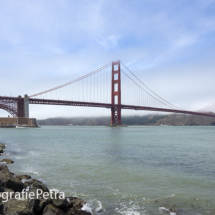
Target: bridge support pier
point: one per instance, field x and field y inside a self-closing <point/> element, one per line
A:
<point x="26" y="105"/>
<point x="20" y="107"/>
<point x="116" y="95"/>
<point x="23" y="106"/>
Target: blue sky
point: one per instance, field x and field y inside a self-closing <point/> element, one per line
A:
<point x="168" y="44"/>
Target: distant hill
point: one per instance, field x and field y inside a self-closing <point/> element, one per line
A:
<point x="155" y="120"/>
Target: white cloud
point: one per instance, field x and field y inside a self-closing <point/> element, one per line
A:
<point x="46" y="43"/>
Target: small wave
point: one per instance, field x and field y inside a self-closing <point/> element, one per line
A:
<point x="127" y="211"/>
<point x="100" y="209"/>
<point x="167" y="211"/>
<point x="129" y="208"/>
<point x="37" y="173"/>
<point x="93" y="206"/>
<point x="87" y="207"/>
<point x="33" y="153"/>
<point x="31" y="171"/>
<point x="19" y="158"/>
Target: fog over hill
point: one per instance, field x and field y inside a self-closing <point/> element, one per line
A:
<point x="155" y="120"/>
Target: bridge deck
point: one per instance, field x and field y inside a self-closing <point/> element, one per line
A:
<point x="107" y="105"/>
<point x="102" y="105"/>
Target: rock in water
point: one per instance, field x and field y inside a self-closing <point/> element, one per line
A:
<point x="51" y="208"/>
<point x="7" y="180"/>
<point x="75" y="203"/>
<point x="60" y="203"/>
<point x="1" y="150"/>
<point x="4" y="169"/>
<point x="2" y="145"/>
<point x="35" y="185"/>
<point x="7" y="161"/>
<point x="21" y="177"/>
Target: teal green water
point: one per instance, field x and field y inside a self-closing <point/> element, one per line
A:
<point x="128" y="170"/>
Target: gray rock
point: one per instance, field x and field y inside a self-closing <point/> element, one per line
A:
<point x="41" y="204"/>
<point x="7" y="180"/>
<point x="7" y="161"/>
<point x="21" y="177"/>
<point x="53" y="209"/>
<point x="13" y="213"/>
<point x="49" y="213"/>
<point x="1" y="150"/>
<point x="23" y="207"/>
<point x="5" y="194"/>
<point x="35" y="184"/>
<point x="2" y="145"/>
<point x="4" y="169"/>
<point x="75" y="203"/>
<point x="60" y="203"/>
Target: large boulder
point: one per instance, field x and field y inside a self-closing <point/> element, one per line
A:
<point x="60" y="203"/>
<point x="41" y="204"/>
<point x="36" y="187"/>
<point x="7" y="180"/>
<point x="51" y="208"/>
<point x="23" y="207"/>
<point x="75" y="203"/>
<point x="34" y="184"/>
<point x="4" y="169"/>
<point x="7" y="161"/>
<point x="6" y="194"/>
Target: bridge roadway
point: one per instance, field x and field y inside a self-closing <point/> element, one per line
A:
<point x="8" y="100"/>
<point x="106" y="105"/>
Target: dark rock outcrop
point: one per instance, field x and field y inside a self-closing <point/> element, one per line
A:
<point x="41" y="204"/>
<point x="75" y="203"/>
<point x="7" y="180"/>
<point x="1" y="150"/>
<point x="51" y="208"/>
<point x="23" y="207"/>
<point x="4" y="169"/>
<point x="7" y="161"/>
<point x="60" y="203"/>
<point x="2" y="145"/>
<point x="21" y="177"/>
<point x="35" y="185"/>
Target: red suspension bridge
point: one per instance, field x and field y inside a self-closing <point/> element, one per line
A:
<point x="112" y="86"/>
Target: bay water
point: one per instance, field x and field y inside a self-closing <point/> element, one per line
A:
<point x="140" y="170"/>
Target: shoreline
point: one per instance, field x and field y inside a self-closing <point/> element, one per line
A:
<point x="21" y="194"/>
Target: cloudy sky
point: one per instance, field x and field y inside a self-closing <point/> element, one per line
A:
<point x="168" y="44"/>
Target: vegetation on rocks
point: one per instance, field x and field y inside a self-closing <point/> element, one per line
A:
<point x="155" y="120"/>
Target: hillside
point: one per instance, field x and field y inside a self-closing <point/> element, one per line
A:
<point x="155" y="120"/>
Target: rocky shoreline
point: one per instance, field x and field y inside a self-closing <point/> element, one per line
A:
<point x="22" y="195"/>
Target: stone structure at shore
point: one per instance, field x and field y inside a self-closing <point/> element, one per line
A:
<point x="31" y="122"/>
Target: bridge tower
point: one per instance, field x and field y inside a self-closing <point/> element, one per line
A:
<point x="26" y="105"/>
<point x="116" y="95"/>
<point x="23" y="106"/>
<point x="20" y="107"/>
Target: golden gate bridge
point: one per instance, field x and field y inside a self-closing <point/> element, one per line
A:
<point x="112" y="86"/>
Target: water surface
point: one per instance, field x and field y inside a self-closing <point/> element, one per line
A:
<point x="128" y="170"/>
